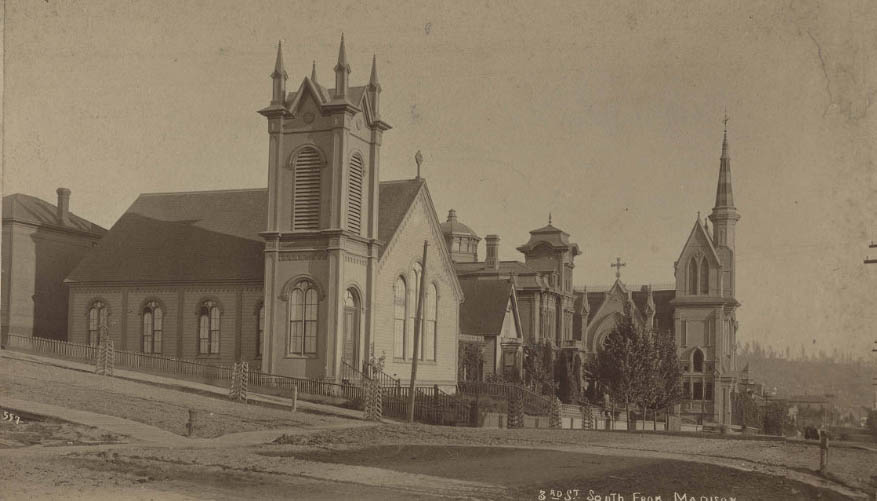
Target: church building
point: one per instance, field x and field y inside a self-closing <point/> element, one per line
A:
<point x="306" y="278"/>
<point x="699" y="312"/>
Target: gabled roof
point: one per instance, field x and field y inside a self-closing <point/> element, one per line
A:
<point x="395" y="199"/>
<point x="483" y="311"/>
<point x="698" y="231"/>
<point x="189" y="237"/>
<point x="662" y="298"/>
<point x="205" y="236"/>
<point x="23" y="208"/>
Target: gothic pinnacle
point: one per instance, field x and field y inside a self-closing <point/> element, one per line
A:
<point x="279" y="71"/>
<point x="373" y="80"/>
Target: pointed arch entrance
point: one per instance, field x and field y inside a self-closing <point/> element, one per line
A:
<point x="352" y="315"/>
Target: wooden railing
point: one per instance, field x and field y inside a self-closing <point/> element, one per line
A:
<point x="431" y="405"/>
<point x="534" y="404"/>
<point x="383" y="378"/>
<point x="351" y="375"/>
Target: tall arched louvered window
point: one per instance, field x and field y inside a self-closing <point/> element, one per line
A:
<point x="704" y="277"/>
<point x="692" y="277"/>
<point x="306" y="191"/>
<point x="354" y="194"/>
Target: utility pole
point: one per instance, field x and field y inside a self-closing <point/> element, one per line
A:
<point x="418" y="320"/>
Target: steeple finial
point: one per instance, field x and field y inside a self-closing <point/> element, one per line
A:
<point x="279" y="71"/>
<point x="373" y="79"/>
<point x="342" y="71"/>
<point x="278" y="90"/>
<point x="724" y="193"/>
<point x="418" y="157"/>
<point x="342" y="57"/>
<point x="314" y="71"/>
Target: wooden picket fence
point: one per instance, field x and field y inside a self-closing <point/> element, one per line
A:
<point x="432" y="405"/>
<point x="534" y="404"/>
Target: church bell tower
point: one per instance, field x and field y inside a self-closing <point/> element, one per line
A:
<point x="321" y="240"/>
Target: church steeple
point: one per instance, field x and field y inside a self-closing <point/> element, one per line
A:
<point x="342" y="71"/>
<point x="724" y="192"/>
<point x="279" y="76"/>
<point x="374" y="89"/>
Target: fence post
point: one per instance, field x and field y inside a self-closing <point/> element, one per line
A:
<point x="823" y="451"/>
<point x="190" y="426"/>
<point x="294" y="395"/>
<point x="554" y="420"/>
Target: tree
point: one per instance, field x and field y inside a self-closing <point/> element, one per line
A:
<point x="539" y="368"/>
<point x="625" y="364"/>
<point x="470" y="362"/>
<point x="568" y="374"/>
<point x="667" y="385"/>
<point x="871" y="424"/>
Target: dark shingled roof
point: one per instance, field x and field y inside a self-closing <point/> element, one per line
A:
<point x="663" y="307"/>
<point x="395" y="199"/>
<point x="483" y="311"/>
<point x="32" y="210"/>
<point x="191" y="237"/>
<point x="205" y="236"/>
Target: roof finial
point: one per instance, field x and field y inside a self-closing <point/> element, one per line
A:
<point x="725" y="138"/>
<point x="373" y="80"/>
<point x="279" y="71"/>
<point x="549" y="218"/>
<point x="314" y="71"/>
<point x="418" y="157"/>
<point x="342" y="56"/>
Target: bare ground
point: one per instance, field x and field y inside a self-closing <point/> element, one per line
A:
<point x="161" y="407"/>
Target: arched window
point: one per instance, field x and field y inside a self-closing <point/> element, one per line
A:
<point x="429" y="323"/>
<point x="260" y="338"/>
<point x="354" y="194"/>
<point x="306" y="190"/>
<point x="153" y="320"/>
<point x="697" y="361"/>
<point x="97" y="320"/>
<point x="704" y="277"/>
<point x="417" y="271"/>
<point x="208" y="328"/>
<point x="692" y="277"/>
<point x="303" y="310"/>
<point x="400" y="307"/>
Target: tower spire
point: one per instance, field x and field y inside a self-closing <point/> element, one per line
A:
<point x="342" y="71"/>
<point x="373" y="79"/>
<point x="724" y="192"/>
<point x="279" y="76"/>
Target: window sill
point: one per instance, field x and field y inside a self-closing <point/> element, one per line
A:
<point x="294" y="356"/>
<point x="419" y="362"/>
<point x="209" y="355"/>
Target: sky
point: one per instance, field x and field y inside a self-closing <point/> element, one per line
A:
<point x="608" y="115"/>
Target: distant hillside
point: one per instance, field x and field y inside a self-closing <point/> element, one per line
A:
<point x="849" y="381"/>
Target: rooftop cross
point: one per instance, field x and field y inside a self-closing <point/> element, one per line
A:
<point x="617" y="265"/>
<point x="725" y="120"/>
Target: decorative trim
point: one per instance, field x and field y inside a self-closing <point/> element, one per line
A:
<point x="290" y="159"/>
<point x="320" y="255"/>
<point x="292" y="282"/>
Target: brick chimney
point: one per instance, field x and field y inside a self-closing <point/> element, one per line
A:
<point x="63" y="205"/>
<point x="491" y="260"/>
